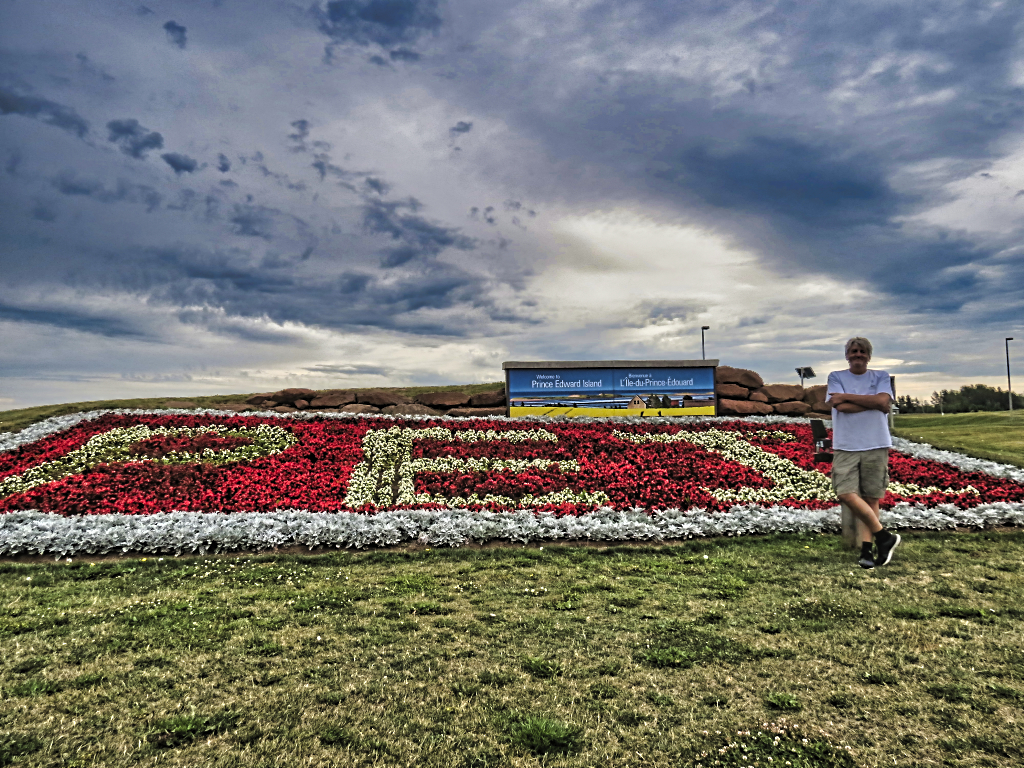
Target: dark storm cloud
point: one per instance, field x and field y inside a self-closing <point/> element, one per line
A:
<point x="421" y="239"/>
<point x="324" y="168"/>
<point x="793" y="157"/>
<point x="50" y="112"/>
<point x="343" y="369"/>
<point x="14" y="161"/>
<point x="384" y="22"/>
<point x="404" y="54"/>
<point x="783" y="176"/>
<point x="377" y="186"/>
<point x="223" y="164"/>
<point x="180" y="163"/>
<point x="299" y="137"/>
<point x="132" y="138"/>
<point x="655" y="312"/>
<point x="238" y="285"/>
<point x="486" y="215"/>
<point x="460" y="127"/>
<point x="73" y="320"/>
<point x="87" y="66"/>
<point x="176" y="34"/>
<point x="68" y="183"/>
<point x="253" y="221"/>
<point x="43" y="212"/>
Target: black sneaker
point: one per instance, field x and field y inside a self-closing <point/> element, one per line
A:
<point x="866" y="562"/>
<point x="886" y="548"/>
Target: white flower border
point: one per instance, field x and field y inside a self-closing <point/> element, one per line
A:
<point x="39" y="533"/>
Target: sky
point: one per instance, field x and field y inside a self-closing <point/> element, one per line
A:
<point x="216" y="196"/>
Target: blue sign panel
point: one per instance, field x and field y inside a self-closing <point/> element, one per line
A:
<point x="611" y="391"/>
<point x="578" y="381"/>
<point x="664" y="379"/>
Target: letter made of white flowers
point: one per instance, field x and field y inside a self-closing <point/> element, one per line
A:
<point x="114" y="447"/>
<point x="386" y="476"/>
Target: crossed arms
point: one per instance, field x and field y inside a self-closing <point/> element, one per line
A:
<point x="845" y="403"/>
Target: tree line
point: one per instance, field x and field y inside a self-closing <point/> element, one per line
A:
<point x="967" y="399"/>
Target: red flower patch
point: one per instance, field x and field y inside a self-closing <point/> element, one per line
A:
<point x="335" y="465"/>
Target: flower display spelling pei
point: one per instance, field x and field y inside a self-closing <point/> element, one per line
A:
<point x="139" y="464"/>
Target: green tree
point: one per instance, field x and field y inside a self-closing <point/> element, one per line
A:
<point x="974" y="397"/>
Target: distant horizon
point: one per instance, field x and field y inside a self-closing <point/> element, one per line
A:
<point x="4" y="406"/>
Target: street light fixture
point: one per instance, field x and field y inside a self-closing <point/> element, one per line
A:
<point x="1009" y="389"/>
<point x="702" y="329"/>
<point x="805" y="373"/>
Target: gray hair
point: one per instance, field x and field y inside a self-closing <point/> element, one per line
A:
<point x="861" y="342"/>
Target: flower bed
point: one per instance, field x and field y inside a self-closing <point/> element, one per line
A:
<point x="130" y="480"/>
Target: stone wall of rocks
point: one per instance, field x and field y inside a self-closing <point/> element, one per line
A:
<point x="449" y="403"/>
<point x="742" y="392"/>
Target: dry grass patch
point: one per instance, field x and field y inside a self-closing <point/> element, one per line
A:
<point x="520" y="656"/>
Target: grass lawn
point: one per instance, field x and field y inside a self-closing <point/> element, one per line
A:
<point x="512" y="656"/>
<point x="997" y="436"/>
<point x="18" y="419"/>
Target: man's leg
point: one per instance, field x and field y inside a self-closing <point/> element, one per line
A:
<point x="866" y="511"/>
<point x="874" y="480"/>
<point x="846" y="484"/>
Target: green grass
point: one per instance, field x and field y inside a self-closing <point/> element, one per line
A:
<point x="772" y="647"/>
<point x="18" y="419"/>
<point x="997" y="436"/>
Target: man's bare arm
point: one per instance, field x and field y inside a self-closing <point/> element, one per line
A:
<point x="879" y="402"/>
<point x="849" y="408"/>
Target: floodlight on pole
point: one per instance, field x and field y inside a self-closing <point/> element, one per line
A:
<point x="702" y="329"/>
<point x="1009" y="388"/>
<point x="805" y="373"/>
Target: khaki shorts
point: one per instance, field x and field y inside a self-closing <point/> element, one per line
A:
<point x="865" y="473"/>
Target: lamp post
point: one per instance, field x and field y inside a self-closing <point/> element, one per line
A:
<point x="1009" y="388"/>
<point x="702" y="329"/>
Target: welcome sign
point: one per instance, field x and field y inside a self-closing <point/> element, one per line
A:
<point x="611" y="388"/>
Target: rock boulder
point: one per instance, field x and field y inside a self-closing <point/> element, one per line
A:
<point x="780" y="393"/>
<point x="758" y="397"/>
<point x="445" y="400"/>
<point x="332" y="398"/>
<point x="260" y="398"/>
<point x="360" y="408"/>
<point x="726" y="374"/>
<point x="413" y="409"/>
<point x="743" y="408"/>
<point x="491" y="399"/>
<point x="380" y="398"/>
<point x="476" y="412"/>
<point x="792" y="408"/>
<point x="289" y="396"/>
<point x="732" y="391"/>
<point x="816" y="394"/>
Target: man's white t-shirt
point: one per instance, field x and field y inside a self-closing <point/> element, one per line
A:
<point x="866" y="430"/>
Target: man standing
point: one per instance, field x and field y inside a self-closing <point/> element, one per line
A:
<point x="860" y="400"/>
